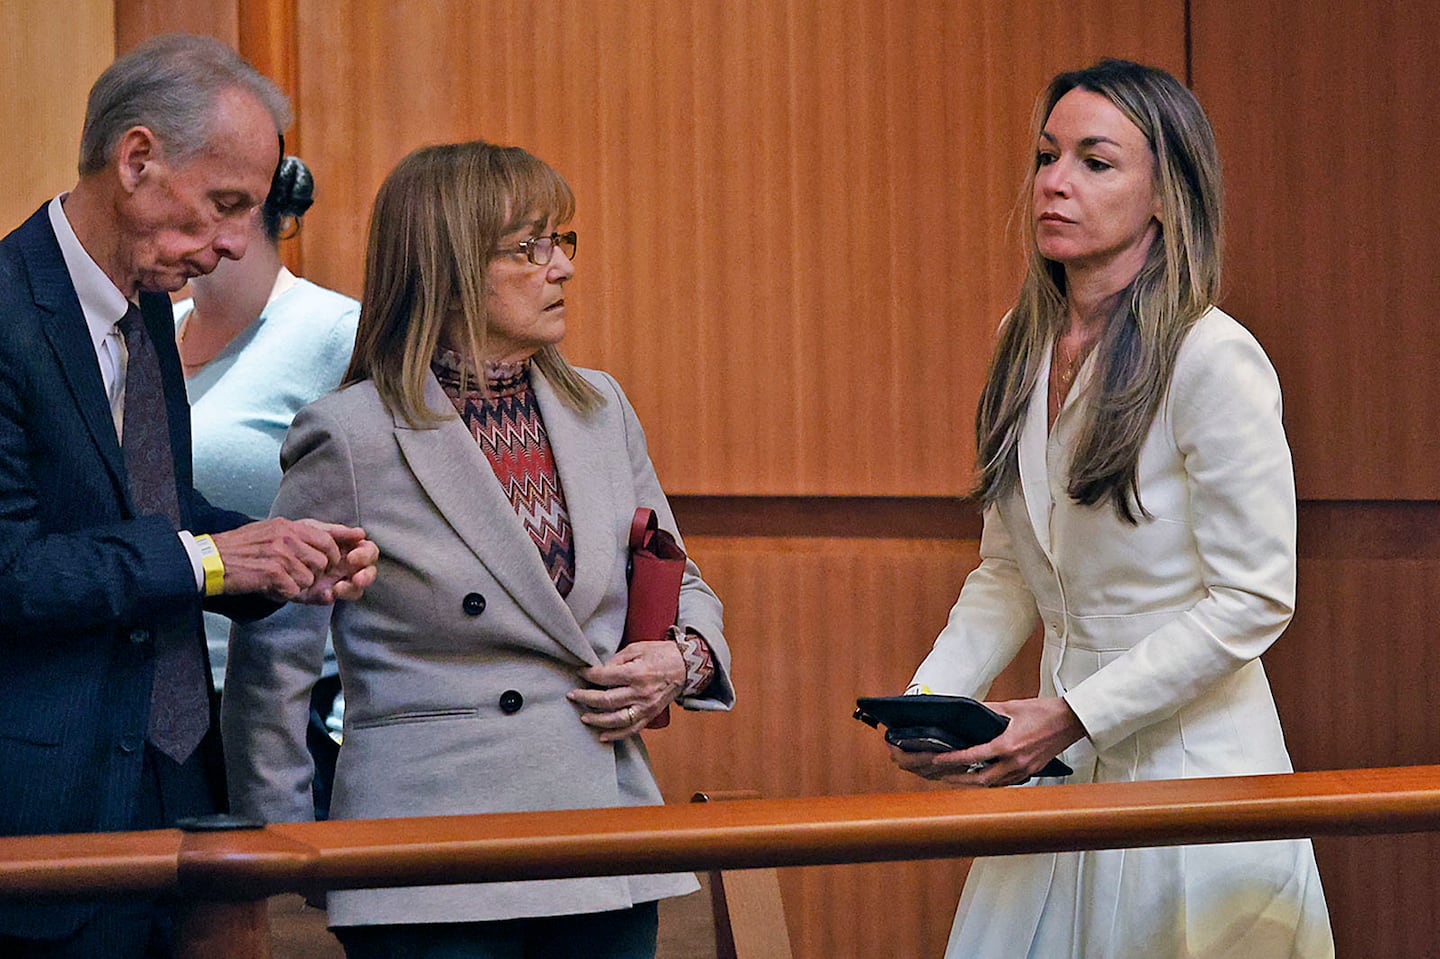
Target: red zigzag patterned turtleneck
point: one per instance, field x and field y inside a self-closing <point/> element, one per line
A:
<point x="505" y="421"/>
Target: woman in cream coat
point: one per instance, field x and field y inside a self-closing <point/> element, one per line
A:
<point x="1140" y="509"/>
<point x="483" y="671"/>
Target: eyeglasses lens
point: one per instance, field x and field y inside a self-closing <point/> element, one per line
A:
<point x="541" y="249"/>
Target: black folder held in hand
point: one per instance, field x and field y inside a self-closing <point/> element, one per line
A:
<point x="939" y="724"/>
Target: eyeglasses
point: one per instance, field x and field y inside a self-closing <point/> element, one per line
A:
<point x="540" y="249"/>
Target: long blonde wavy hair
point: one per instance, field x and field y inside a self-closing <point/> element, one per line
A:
<point x="1147" y="320"/>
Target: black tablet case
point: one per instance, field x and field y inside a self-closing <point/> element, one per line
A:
<point x="959" y="720"/>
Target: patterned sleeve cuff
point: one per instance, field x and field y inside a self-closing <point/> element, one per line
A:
<point x="699" y="662"/>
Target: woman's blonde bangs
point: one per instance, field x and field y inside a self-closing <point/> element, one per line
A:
<point x="537" y="191"/>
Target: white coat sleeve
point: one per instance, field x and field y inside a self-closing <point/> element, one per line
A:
<point x="1224" y="417"/>
<point x="988" y="624"/>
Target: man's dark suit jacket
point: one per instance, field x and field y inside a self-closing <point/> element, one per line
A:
<point x="83" y="579"/>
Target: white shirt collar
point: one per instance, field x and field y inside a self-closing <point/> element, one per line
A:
<point x="100" y="299"/>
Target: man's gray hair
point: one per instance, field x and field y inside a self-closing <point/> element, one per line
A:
<point x="170" y="84"/>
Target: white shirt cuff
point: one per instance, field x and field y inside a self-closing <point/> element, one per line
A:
<point x="193" y="550"/>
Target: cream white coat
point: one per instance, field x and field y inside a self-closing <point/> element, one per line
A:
<point x="426" y="666"/>
<point x="1153" y="634"/>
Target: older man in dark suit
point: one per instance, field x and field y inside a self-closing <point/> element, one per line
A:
<point x="107" y="552"/>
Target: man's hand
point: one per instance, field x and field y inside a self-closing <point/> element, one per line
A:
<point x="352" y="575"/>
<point x="297" y="560"/>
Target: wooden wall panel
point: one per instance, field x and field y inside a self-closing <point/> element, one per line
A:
<point x="813" y="623"/>
<point x="48" y="63"/>
<point x="798" y="207"/>
<point x="1323" y="119"/>
<point x="1356" y="679"/>
<point x="137" y="20"/>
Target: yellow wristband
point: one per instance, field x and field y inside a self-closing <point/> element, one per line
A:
<point x="212" y="564"/>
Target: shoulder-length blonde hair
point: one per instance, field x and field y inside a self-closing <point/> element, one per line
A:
<point x="437" y="221"/>
<point x="1148" y="319"/>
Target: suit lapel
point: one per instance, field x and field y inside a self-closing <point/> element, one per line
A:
<point x="1034" y="471"/>
<point x="587" y="475"/>
<point x="1046" y="450"/>
<point x="69" y="337"/>
<point x="452" y="469"/>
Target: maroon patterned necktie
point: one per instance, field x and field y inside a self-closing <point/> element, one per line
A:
<point x="179" y="700"/>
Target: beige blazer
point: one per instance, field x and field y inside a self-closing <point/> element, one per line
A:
<point x="457" y="660"/>
<point x="1153" y="634"/>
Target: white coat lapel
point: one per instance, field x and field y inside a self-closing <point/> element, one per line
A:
<point x="1034" y="476"/>
<point x="589" y="470"/>
<point x="458" y="478"/>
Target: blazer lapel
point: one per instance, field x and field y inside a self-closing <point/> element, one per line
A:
<point x="455" y="474"/>
<point x="579" y="452"/>
<point x="65" y="328"/>
<point x="1034" y="472"/>
<point x="1045" y="449"/>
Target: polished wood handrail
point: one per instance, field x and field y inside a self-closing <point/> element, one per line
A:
<point x="251" y="864"/>
<point x="88" y="864"/>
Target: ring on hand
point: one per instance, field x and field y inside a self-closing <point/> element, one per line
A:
<point x="630" y="715"/>
<point x="976" y="767"/>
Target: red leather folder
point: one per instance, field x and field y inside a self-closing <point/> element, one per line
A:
<point x="657" y="565"/>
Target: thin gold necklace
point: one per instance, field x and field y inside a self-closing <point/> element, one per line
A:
<point x="1071" y="362"/>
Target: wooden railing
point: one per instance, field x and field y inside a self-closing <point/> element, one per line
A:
<point x="227" y="875"/>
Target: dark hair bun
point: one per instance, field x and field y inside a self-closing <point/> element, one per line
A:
<point x="293" y="189"/>
<point x="291" y="193"/>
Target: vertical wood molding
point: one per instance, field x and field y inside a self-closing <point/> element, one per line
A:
<point x="268" y="38"/>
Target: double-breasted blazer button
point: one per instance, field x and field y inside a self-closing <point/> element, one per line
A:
<point x="511" y="701"/>
<point x="473" y="604"/>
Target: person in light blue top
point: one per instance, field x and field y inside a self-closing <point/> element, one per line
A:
<point x="242" y="401"/>
<point x="257" y="343"/>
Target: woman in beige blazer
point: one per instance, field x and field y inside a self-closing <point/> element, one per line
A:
<point x="483" y="672"/>
<point x="1140" y="510"/>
